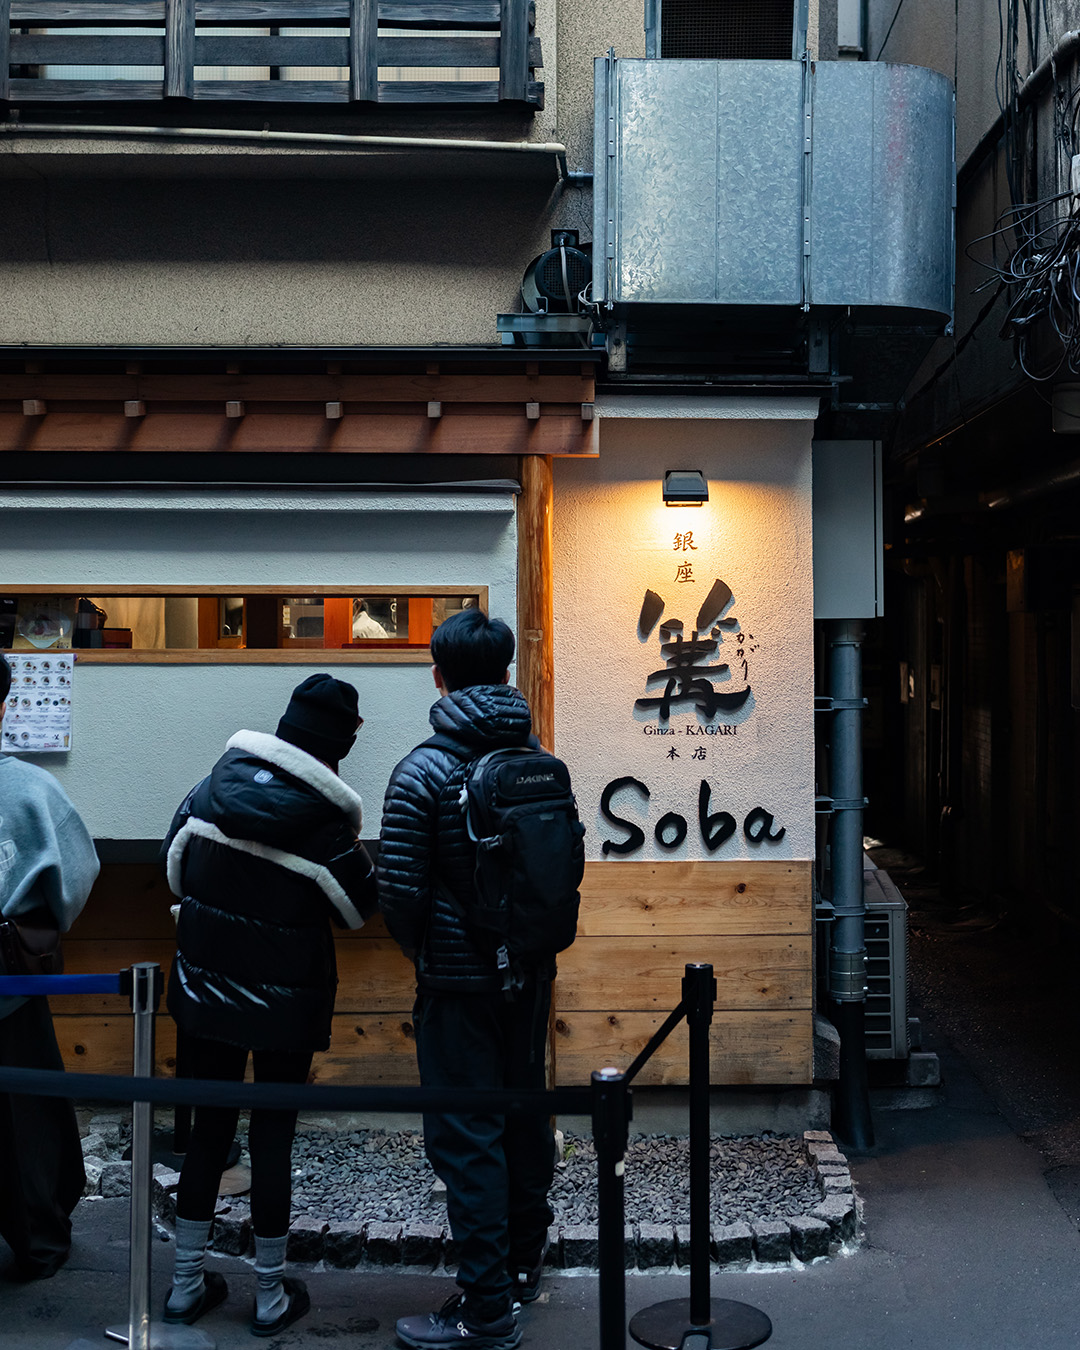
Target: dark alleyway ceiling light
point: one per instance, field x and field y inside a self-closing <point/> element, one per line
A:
<point x="685" y="487"/>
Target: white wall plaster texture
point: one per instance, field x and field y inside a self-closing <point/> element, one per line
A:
<point x="143" y="735"/>
<point x="614" y="539"/>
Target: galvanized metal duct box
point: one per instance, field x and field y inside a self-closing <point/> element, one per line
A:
<point x="774" y="183"/>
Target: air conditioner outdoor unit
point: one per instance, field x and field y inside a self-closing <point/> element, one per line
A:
<point x="886" y="968"/>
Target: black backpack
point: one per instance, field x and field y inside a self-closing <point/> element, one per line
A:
<point x="530" y="855"/>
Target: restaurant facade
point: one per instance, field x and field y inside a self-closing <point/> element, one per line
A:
<point x="272" y="407"/>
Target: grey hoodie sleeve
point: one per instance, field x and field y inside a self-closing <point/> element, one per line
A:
<point x="67" y="887"/>
<point x="53" y="862"/>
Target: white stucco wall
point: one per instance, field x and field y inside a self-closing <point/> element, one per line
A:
<point x="143" y="734"/>
<point x="614" y="539"/>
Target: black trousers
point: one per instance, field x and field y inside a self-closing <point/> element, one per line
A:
<point x="41" y="1165"/>
<point x="270" y="1135"/>
<point x="497" y="1169"/>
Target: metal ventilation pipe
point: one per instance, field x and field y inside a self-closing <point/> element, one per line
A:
<point x="847" y="952"/>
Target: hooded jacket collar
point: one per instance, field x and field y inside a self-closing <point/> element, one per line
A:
<point x="484" y="713"/>
<point x="292" y="760"/>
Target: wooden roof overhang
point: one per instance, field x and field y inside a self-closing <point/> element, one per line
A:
<point x="470" y="402"/>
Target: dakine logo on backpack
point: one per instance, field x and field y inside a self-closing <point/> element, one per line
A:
<point x="530" y="855"/>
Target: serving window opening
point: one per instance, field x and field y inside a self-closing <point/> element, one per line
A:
<point x="177" y="625"/>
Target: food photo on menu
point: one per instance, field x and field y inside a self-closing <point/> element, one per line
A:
<point x="38" y="718"/>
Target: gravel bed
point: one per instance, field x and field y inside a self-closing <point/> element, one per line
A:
<point x="385" y="1176"/>
<point x="370" y="1197"/>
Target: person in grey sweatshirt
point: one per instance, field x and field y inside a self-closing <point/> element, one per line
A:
<point x="47" y="861"/>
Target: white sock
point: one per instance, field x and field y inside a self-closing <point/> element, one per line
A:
<point x="192" y="1236"/>
<point x="271" y="1299"/>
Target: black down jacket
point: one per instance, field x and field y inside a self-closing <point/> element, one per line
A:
<point x="424" y="839"/>
<point x="263" y="854"/>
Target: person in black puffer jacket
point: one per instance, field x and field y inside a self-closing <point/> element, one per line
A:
<point x="264" y="853"/>
<point x="498" y="1170"/>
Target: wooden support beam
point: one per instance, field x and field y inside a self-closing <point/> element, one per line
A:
<point x="179" y="48"/>
<point x="363" y="40"/>
<point x="535" y="595"/>
<point x="248" y="429"/>
<point x="291" y="387"/>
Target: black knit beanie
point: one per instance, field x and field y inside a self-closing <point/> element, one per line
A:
<point x="321" y="718"/>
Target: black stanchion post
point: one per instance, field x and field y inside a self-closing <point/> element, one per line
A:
<point x="699" y="995"/>
<point x="700" y="1322"/>
<point x="610" y="1125"/>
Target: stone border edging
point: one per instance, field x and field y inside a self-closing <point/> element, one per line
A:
<point x="649" y="1246"/>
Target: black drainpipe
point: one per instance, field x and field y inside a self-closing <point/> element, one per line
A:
<point x="847" y="953"/>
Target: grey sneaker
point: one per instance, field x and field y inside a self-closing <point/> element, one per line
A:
<point x="453" y="1326"/>
<point x="527" y="1279"/>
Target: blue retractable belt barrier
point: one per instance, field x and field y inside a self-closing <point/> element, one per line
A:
<point x="62" y="984"/>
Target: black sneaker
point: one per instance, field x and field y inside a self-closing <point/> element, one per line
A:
<point x="299" y="1303"/>
<point x="215" y="1291"/>
<point x="453" y="1325"/>
<point x="527" y="1279"/>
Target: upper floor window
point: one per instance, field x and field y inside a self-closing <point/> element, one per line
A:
<point x="280" y="51"/>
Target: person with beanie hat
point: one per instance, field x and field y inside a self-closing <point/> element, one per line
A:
<point x="322" y="719"/>
<point x="264" y="855"/>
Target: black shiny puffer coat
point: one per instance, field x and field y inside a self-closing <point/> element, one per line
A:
<point x="263" y="854"/>
<point x="424" y="839"/>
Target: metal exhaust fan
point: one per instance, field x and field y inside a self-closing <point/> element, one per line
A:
<point x="553" y="282"/>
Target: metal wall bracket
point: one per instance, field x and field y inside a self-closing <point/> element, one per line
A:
<point x="825" y="806"/>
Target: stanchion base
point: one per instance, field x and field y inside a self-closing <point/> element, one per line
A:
<point x="731" y="1326"/>
<point x="168" y="1336"/>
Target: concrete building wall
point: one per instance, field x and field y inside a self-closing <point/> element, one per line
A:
<point x="165" y="243"/>
<point x="105" y="241"/>
<point x="143" y="734"/>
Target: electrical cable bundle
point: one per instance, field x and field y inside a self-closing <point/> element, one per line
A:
<point x="1042" y="271"/>
<point x="1042" y="274"/>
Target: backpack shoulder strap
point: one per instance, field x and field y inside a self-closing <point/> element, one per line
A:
<point x="440" y="741"/>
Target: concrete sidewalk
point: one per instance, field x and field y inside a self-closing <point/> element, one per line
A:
<point x="965" y="1247"/>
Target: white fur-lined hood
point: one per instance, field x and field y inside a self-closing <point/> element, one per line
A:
<point x="292" y="760"/>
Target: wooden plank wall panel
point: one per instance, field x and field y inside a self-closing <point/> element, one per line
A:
<point x="641" y="923"/>
<point x="103" y="1044"/>
<point x="766" y="1048"/>
<point x="695" y="898"/>
<point x="365" y="1049"/>
<point x="644" y="973"/>
<point x="131" y="902"/>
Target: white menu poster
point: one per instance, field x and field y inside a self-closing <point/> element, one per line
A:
<point x="38" y="717"/>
